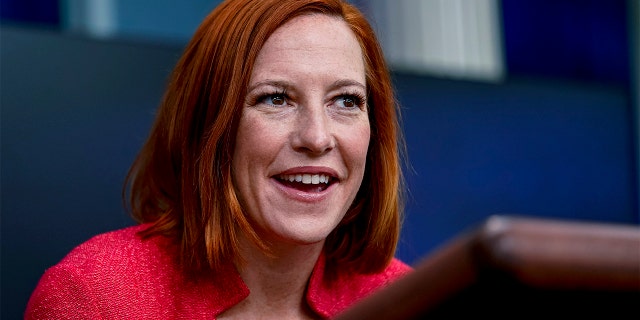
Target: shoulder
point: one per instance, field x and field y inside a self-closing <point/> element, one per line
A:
<point x="394" y="270"/>
<point x="108" y="271"/>
<point x="329" y="298"/>
<point x="368" y="283"/>
<point x="122" y="247"/>
<point x="119" y="253"/>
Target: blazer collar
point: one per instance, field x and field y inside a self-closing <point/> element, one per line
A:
<point x="327" y="298"/>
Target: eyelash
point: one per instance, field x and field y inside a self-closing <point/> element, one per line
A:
<point x="358" y="99"/>
<point x="262" y="97"/>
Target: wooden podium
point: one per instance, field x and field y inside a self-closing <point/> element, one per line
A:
<point x="516" y="267"/>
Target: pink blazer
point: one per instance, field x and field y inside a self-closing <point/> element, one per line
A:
<point x="117" y="275"/>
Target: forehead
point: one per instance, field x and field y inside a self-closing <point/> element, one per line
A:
<point x="316" y="41"/>
<point x="315" y="29"/>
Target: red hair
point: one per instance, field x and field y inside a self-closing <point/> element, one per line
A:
<point x="181" y="180"/>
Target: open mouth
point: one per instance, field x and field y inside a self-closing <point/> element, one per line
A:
<point x="306" y="182"/>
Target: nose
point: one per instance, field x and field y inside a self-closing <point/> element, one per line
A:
<point x="313" y="134"/>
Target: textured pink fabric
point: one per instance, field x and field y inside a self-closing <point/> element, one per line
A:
<point x="117" y="275"/>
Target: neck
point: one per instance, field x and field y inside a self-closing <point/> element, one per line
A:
<point x="278" y="282"/>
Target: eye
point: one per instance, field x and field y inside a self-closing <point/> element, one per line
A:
<point x="349" y="101"/>
<point x="277" y="99"/>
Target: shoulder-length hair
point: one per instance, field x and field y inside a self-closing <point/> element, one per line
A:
<point x="181" y="182"/>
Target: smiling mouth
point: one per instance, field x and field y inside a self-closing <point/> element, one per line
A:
<point x="306" y="182"/>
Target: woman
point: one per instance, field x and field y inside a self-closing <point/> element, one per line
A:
<point x="269" y="185"/>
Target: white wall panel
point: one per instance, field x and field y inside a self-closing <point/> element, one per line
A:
<point x="449" y="38"/>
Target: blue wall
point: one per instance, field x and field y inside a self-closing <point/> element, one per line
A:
<point x="75" y="112"/>
<point x="536" y="147"/>
<point x="554" y="140"/>
<point x="586" y="39"/>
<point x="40" y="12"/>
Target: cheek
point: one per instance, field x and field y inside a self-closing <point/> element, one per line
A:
<point x="249" y="157"/>
<point x="243" y="140"/>
<point x="248" y="137"/>
<point x="357" y="145"/>
<point x="257" y="143"/>
<point x="246" y="147"/>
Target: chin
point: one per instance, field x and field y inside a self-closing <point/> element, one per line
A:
<point x="305" y="236"/>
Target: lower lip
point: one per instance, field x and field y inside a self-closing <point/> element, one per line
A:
<point x="302" y="196"/>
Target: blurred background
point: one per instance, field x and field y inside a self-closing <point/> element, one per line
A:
<point x="520" y="107"/>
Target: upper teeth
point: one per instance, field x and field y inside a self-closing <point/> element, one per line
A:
<point x="306" y="178"/>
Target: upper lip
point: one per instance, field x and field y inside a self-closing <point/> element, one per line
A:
<point x="310" y="170"/>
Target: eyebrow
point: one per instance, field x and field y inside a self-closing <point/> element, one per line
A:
<point x="347" y="83"/>
<point x="286" y="84"/>
<point x="271" y="83"/>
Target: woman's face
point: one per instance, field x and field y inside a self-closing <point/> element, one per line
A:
<point x="302" y="139"/>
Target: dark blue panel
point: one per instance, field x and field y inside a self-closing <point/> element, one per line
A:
<point x="585" y="39"/>
<point x="560" y="149"/>
<point x="75" y="112"/>
<point x="73" y="119"/>
<point x="42" y="12"/>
